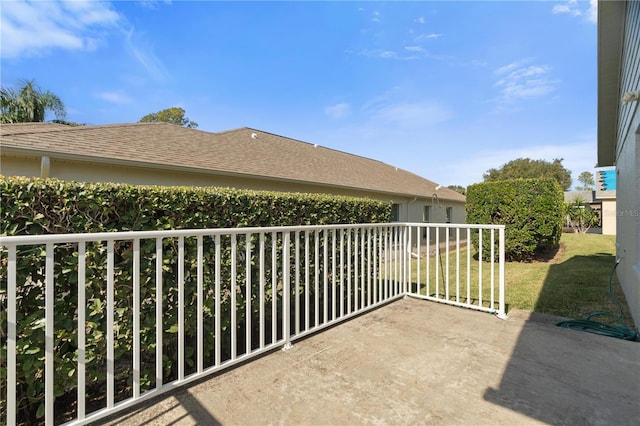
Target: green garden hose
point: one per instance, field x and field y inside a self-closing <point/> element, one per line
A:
<point x="596" y="327"/>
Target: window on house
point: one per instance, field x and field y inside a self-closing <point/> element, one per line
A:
<point x="449" y="214"/>
<point x="395" y="212"/>
<point x="426" y="214"/>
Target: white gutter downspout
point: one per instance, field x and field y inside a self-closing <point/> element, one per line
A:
<point x="45" y="166"/>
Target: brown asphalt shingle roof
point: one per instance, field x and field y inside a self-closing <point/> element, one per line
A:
<point x="245" y="151"/>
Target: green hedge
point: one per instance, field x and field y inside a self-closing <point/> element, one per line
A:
<point x="531" y="209"/>
<point x="34" y="206"/>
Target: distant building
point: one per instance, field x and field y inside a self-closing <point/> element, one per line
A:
<point x="602" y="200"/>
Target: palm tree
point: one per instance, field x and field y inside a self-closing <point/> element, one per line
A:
<point x="28" y="104"/>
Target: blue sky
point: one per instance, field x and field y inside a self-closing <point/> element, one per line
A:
<point x="446" y="90"/>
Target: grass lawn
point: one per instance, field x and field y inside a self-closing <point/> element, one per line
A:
<point x="572" y="284"/>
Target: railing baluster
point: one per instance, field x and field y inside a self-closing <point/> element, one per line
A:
<point x="370" y="265"/>
<point x="136" y="316"/>
<point x="200" y="306"/>
<point x="82" y="329"/>
<point x="325" y="260"/>
<point x="341" y="297"/>
<point x="297" y="282"/>
<point x="49" y="333"/>
<point x="356" y="270"/>
<point x="492" y="280"/>
<point x="218" y="310"/>
<point x="419" y="258"/>
<point x="11" y="334"/>
<point x="316" y="276"/>
<point x="446" y="280"/>
<point x="248" y="310"/>
<point x="262" y="285"/>
<point x="469" y="265"/>
<point x="363" y="274"/>
<point x="480" y="267"/>
<point x="376" y="269"/>
<point x="333" y="274"/>
<point x="159" y="327"/>
<point x="458" y="265"/>
<point x="501" y="307"/>
<point x="181" y="360"/>
<point x="428" y="271"/>
<point x="348" y="271"/>
<point x="110" y="320"/>
<point x="306" y="280"/>
<point x="274" y="288"/>
<point x="233" y="291"/>
<point x="438" y="262"/>
<point x="286" y="291"/>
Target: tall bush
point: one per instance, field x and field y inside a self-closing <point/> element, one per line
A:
<point x="530" y="209"/>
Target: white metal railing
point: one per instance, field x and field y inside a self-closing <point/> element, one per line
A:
<point x="139" y="313"/>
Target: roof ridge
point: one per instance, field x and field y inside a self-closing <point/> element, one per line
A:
<point x="315" y="145"/>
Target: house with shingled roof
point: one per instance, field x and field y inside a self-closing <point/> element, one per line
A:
<point x="170" y="155"/>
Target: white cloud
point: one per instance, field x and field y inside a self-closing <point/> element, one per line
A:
<point x="420" y="20"/>
<point x="152" y="4"/>
<point x="33" y="28"/>
<point x="143" y="52"/>
<point x="410" y="115"/>
<point x="338" y="110"/>
<point x="425" y="37"/>
<point x="573" y="8"/>
<point x="570" y="7"/>
<point x="416" y="53"/>
<point x="29" y="28"/>
<point x="592" y="12"/>
<point x="518" y="81"/>
<point x="117" y="97"/>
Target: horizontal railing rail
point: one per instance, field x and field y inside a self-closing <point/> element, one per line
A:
<point x="119" y="317"/>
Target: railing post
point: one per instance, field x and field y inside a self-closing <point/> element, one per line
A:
<point x="501" y="306"/>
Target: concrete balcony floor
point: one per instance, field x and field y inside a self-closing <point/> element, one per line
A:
<point x="414" y="362"/>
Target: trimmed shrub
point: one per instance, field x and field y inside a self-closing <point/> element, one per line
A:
<point x="35" y="206"/>
<point x="531" y="209"/>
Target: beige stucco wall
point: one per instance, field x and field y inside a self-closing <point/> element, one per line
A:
<point x="410" y="208"/>
<point x="609" y="217"/>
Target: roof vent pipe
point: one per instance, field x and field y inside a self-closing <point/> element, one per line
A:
<point x="254" y="136"/>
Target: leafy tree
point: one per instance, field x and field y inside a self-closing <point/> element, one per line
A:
<point x="526" y="168"/>
<point x="28" y="103"/>
<point x="586" y="179"/>
<point x="580" y="216"/>
<point x="174" y="115"/>
<point x="458" y="188"/>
